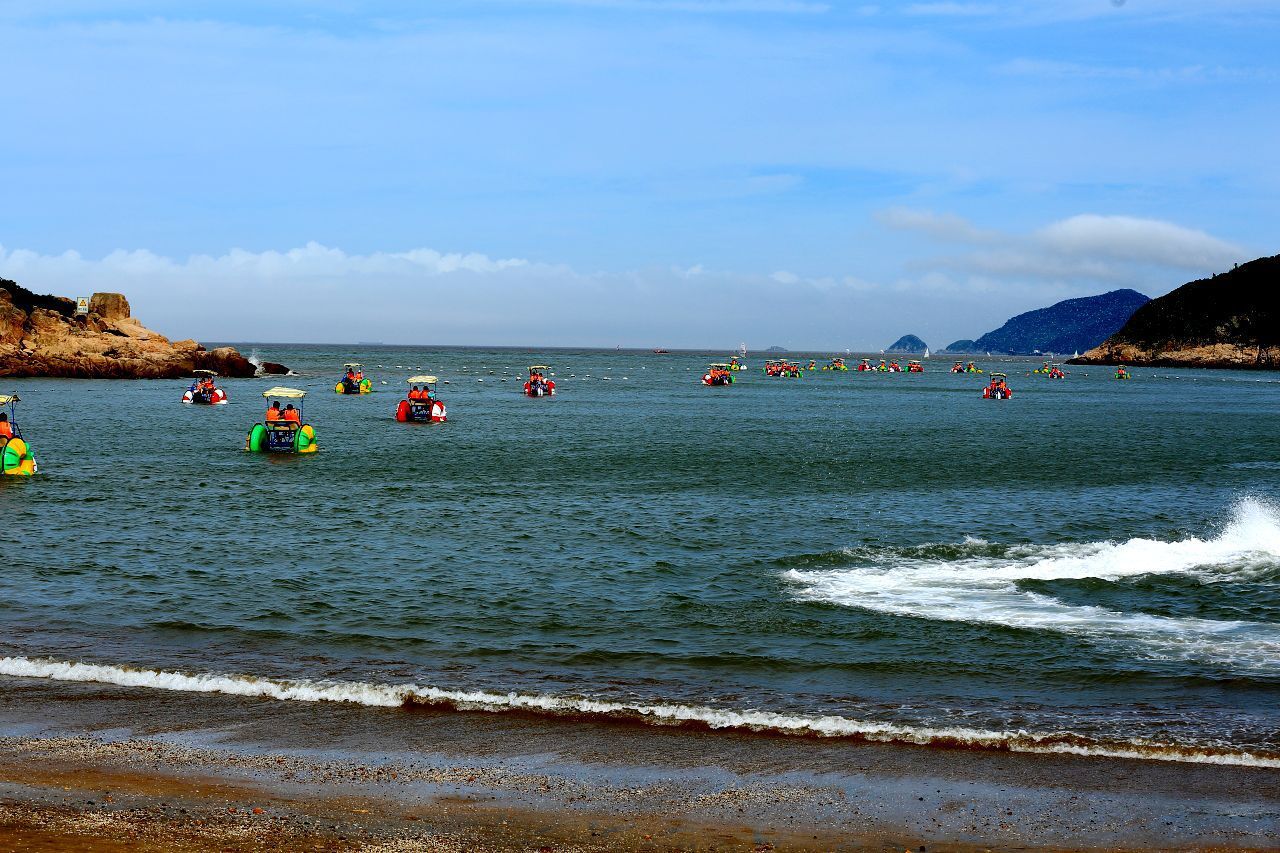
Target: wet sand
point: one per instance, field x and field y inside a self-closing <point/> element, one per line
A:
<point x="87" y="767"/>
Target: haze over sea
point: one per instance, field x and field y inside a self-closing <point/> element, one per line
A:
<point x="1092" y="566"/>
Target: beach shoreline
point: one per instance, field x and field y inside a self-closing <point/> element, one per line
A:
<point x="81" y="763"/>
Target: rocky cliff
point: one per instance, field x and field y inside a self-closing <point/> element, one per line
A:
<point x="1230" y="320"/>
<point x="1073" y="325"/>
<point x="43" y="336"/>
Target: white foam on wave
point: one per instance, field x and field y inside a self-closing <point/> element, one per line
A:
<point x="391" y="696"/>
<point x="985" y="589"/>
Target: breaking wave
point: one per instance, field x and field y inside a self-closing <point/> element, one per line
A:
<point x="694" y="716"/>
<point x="981" y="583"/>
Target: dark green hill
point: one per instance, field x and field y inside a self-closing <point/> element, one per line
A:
<point x="1229" y="320"/>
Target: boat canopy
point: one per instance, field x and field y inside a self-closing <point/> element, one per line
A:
<point x="6" y="399"/>
<point x="209" y="373"/>
<point x="287" y="393"/>
<point x="539" y="367"/>
<point x="913" y="361"/>
<point x="351" y="364"/>
<point x="999" y="376"/>
<point x="429" y="380"/>
<point x="720" y="366"/>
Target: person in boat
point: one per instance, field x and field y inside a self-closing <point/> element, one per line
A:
<point x="291" y="414"/>
<point x="6" y="429"/>
<point x="273" y="411"/>
<point x="413" y="392"/>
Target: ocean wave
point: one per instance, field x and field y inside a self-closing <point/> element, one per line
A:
<point x="977" y="582"/>
<point x="693" y="716"/>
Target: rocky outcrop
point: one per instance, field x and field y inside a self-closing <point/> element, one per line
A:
<point x="43" y="336"/>
<point x="908" y="344"/>
<point x="1072" y="325"/>
<point x="1229" y="320"/>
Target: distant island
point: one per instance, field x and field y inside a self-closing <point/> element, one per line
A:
<point x="908" y="345"/>
<point x="1073" y="325"/>
<point x="43" y="335"/>
<point x="776" y="349"/>
<point x="961" y="347"/>
<point x="1229" y="320"/>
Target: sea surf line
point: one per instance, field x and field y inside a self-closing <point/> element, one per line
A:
<point x="981" y="584"/>
<point x="826" y="726"/>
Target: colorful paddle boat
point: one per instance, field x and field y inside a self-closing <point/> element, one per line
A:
<point x="998" y="389"/>
<point x="354" y="381"/>
<point x="718" y="374"/>
<point x="204" y="391"/>
<point x="736" y="364"/>
<point x="915" y="367"/>
<point x="16" y="458"/>
<point x="539" y="383"/>
<point x="1122" y="372"/>
<point x="837" y="363"/>
<point x="283" y="430"/>
<point x="779" y="368"/>
<point x="421" y="406"/>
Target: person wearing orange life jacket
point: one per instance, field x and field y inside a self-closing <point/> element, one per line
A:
<point x="291" y="414"/>
<point x="6" y="429"/>
<point x="273" y="412"/>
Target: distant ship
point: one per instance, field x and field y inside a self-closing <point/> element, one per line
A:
<point x="661" y="352"/>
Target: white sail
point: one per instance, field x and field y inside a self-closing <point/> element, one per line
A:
<point x="926" y="352"/>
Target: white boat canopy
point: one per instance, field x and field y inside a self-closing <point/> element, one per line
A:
<point x="6" y="399"/>
<point x="539" y="367"/>
<point x="350" y="364"/>
<point x="429" y="380"/>
<point x="204" y="373"/>
<point x="287" y="393"/>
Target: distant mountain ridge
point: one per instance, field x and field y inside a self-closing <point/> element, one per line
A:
<point x="1229" y="320"/>
<point x="909" y="344"/>
<point x="962" y="347"/>
<point x="1073" y="325"/>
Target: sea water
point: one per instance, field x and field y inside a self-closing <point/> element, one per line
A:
<point x="1092" y="566"/>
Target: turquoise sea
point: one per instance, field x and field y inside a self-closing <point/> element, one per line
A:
<point x="1092" y="566"/>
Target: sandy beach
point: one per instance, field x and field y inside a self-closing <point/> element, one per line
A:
<point x="93" y="768"/>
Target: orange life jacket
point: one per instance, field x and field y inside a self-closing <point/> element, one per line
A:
<point x="273" y="414"/>
<point x="292" y="415"/>
<point x="6" y="431"/>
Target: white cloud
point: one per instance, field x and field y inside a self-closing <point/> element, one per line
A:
<point x="784" y="277"/>
<point x="1085" y="250"/>
<point x="941" y="226"/>
<point x="1144" y="241"/>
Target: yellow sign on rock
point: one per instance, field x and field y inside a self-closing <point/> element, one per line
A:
<point x="82" y="305"/>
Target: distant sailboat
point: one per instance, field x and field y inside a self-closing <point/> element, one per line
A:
<point x="742" y="349"/>
<point x="1076" y="354"/>
<point x="926" y="352"/>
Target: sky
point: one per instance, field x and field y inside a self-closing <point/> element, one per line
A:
<point x="812" y="174"/>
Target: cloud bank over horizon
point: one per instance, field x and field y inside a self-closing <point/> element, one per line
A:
<point x="322" y="294"/>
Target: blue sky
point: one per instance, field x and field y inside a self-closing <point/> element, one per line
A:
<point x="635" y="172"/>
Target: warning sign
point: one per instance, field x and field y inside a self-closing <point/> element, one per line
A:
<point x="82" y="305"/>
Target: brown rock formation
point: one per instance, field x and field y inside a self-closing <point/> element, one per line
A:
<point x="43" y="336"/>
